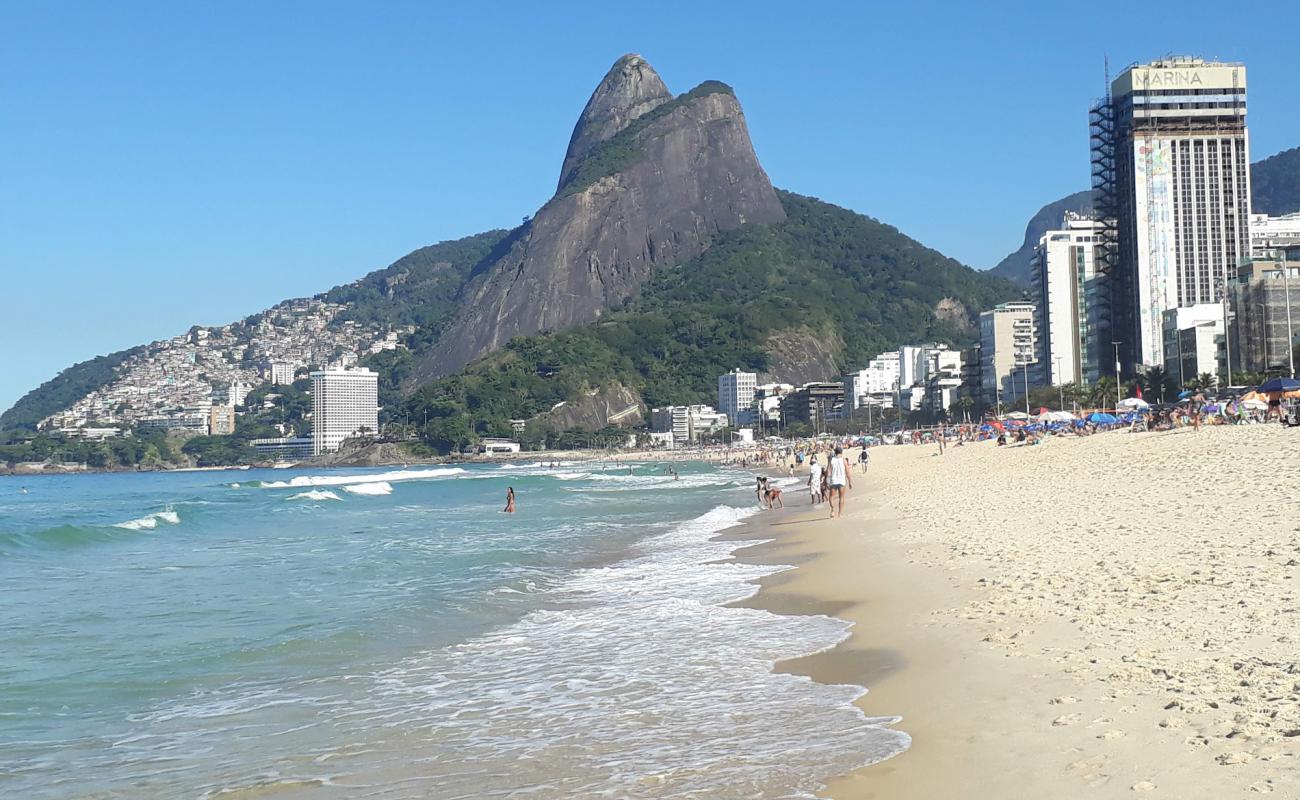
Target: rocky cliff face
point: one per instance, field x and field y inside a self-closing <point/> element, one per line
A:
<point x="802" y="355"/>
<point x="615" y="404"/>
<point x="647" y="182"/>
<point x="628" y="91"/>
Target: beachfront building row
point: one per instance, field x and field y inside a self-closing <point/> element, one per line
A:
<point x="682" y="425"/>
<point x="345" y="404"/>
<point x="922" y="377"/>
<point x="1070" y="318"/>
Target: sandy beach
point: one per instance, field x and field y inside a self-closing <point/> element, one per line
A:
<point x="1092" y="617"/>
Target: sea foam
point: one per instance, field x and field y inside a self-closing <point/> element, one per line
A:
<point x="380" y="477"/>
<point x="150" y="521"/>
<point x="315" y="494"/>
<point x="377" y="488"/>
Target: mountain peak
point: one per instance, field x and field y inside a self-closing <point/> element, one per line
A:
<point x="630" y="89"/>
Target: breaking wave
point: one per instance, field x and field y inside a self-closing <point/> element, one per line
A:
<point x="315" y="494"/>
<point x="150" y="521"/>
<point x="380" y="487"/>
<point x="303" y="481"/>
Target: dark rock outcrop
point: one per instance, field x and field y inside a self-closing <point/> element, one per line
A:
<point x="629" y="90"/>
<point x="802" y="355"/>
<point x="649" y="184"/>
<point x="615" y="404"/>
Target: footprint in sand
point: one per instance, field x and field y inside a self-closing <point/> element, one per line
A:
<point x="1262" y="787"/>
<point x="1112" y="734"/>
<point x="1063" y="701"/>
<point x="1066" y="719"/>
<point x="1144" y="786"/>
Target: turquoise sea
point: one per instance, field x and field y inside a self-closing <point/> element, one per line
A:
<point x="389" y="633"/>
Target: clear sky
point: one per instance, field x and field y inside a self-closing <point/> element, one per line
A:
<point x="167" y="164"/>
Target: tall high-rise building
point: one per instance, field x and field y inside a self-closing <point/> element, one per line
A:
<point x="1171" y="176"/>
<point x="736" y="396"/>
<point x="344" y="403"/>
<point x="1007" y="349"/>
<point x="1064" y="270"/>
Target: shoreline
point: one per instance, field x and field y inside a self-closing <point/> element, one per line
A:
<point x="1018" y="672"/>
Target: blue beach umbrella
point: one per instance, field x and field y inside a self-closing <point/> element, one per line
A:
<point x="1280" y="385"/>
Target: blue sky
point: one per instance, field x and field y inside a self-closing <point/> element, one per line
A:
<point x="167" y="164"/>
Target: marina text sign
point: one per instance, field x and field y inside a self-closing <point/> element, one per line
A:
<point x="1149" y="78"/>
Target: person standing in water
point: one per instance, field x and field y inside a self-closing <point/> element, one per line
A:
<point x="510" y="500"/>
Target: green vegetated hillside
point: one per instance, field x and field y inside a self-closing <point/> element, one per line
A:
<point x="1275" y="183"/>
<point x="825" y="268"/>
<point x="420" y="288"/>
<point x="63" y="390"/>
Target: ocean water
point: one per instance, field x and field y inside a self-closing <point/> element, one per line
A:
<point x="391" y="634"/>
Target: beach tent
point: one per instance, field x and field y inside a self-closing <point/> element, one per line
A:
<point x="1134" y="404"/>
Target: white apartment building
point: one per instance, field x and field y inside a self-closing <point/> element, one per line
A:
<point x="344" y="403"/>
<point x="1270" y="233"/>
<point x="736" y="395"/>
<point x="1181" y="197"/>
<point x="281" y="373"/>
<point x="686" y="423"/>
<point x="1007" y="347"/>
<point x="238" y="393"/>
<point x="1065" y="261"/>
<point x="1191" y="340"/>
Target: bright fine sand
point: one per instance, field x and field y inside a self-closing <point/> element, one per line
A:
<point x="1096" y="617"/>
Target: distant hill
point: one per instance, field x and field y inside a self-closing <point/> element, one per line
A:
<point x="826" y="278"/>
<point x="1274" y="189"/>
<point x="664" y="258"/>
<point x="1015" y="267"/>
<point x="1275" y="183"/>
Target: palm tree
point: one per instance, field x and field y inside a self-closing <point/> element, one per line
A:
<point x="1074" y="393"/>
<point x="1156" y="382"/>
<point x="965" y="403"/>
<point x="1101" y="392"/>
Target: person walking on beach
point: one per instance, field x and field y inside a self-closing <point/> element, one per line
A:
<point x="814" y="480"/>
<point x="864" y="459"/>
<point x="510" y="500"/>
<point x="839" y="478"/>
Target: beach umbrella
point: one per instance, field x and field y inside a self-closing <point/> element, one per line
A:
<point x="1279" y="385"/>
<point x="1254" y="405"/>
<point x="1134" y="404"/>
<point x="1101" y="418"/>
<point x="1017" y="415"/>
